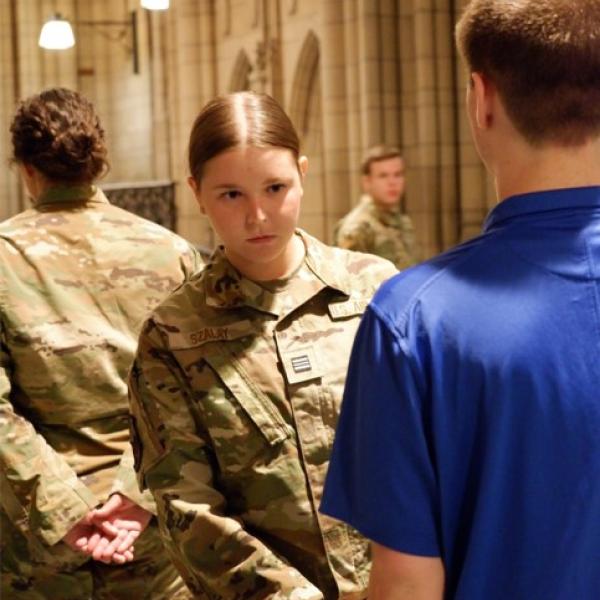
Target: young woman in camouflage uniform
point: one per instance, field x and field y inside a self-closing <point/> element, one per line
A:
<point x="78" y="276"/>
<point x="238" y="379"/>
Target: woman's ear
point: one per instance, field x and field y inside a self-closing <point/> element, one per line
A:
<point x="196" y="190"/>
<point x="29" y="169"/>
<point x="303" y="166"/>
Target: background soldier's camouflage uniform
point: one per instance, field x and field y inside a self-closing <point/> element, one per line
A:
<point x="389" y="234"/>
<point x="235" y="393"/>
<point x="77" y="280"/>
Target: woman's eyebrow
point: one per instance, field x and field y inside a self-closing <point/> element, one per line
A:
<point x="224" y="186"/>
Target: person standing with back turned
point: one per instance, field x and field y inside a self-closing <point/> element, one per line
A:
<point x="238" y="379"/>
<point x="468" y="447"/>
<point x="77" y="278"/>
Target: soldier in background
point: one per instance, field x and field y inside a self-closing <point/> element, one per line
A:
<point x="377" y="224"/>
<point x="77" y="278"/>
<point x="238" y="380"/>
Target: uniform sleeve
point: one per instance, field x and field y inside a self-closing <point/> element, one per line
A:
<point x="358" y="237"/>
<point x="126" y="480"/>
<point x="380" y="464"/>
<point x="213" y="552"/>
<point x="44" y="498"/>
<point x="126" y="483"/>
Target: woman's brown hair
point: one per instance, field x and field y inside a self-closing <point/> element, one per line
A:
<point x="59" y="133"/>
<point x="236" y="119"/>
<point x="544" y="58"/>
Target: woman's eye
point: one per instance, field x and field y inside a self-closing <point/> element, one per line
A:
<point x="276" y="187"/>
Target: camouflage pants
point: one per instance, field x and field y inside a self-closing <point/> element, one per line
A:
<point x="34" y="573"/>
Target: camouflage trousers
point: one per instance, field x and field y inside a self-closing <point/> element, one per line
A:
<point x="30" y="572"/>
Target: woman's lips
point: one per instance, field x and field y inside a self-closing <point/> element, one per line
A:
<point x="261" y="239"/>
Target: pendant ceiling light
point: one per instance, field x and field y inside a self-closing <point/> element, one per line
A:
<point x="57" y="34"/>
<point x="155" y="4"/>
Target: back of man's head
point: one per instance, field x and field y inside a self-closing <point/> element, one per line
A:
<point x="544" y="58"/>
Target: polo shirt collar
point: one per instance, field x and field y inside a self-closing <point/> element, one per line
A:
<point x="539" y="202"/>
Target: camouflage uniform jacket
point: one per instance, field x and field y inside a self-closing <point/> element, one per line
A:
<point x="389" y="234"/>
<point x="235" y="393"/>
<point x="78" y="277"/>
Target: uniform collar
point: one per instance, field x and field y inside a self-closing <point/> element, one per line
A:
<point x="324" y="264"/>
<point x="387" y="217"/>
<point x="67" y="194"/>
<point x="539" y="202"/>
<point x="226" y="288"/>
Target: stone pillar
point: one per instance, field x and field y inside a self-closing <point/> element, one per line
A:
<point x="354" y="47"/>
<point x="430" y="136"/>
<point x="161" y="116"/>
<point x="191" y="66"/>
<point x="11" y="197"/>
<point x="337" y="171"/>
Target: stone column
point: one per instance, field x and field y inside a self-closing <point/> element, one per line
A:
<point x="429" y="99"/>
<point x="337" y="169"/>
<point x="11" y="197"/>
<point x="191" y="65"/>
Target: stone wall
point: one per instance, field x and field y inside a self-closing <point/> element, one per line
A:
<point x="351" y="73"/>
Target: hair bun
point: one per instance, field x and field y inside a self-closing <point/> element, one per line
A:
<point x="59" y="133"/>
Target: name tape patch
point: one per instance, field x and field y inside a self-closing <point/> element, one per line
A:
<point x="349" y="308"/>
<point x="182" y="339"/>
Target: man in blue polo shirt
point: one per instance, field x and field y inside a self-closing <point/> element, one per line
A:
<point x="468" y="447"/>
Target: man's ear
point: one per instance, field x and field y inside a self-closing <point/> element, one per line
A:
<point x="483" y="95"/>
<point x="365" y="182"/>
<point x="196" y="190"/>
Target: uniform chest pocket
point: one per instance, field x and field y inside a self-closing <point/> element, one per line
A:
<point x="245" y="427"/>
<point x="255" y="403"/>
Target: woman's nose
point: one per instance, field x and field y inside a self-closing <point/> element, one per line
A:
<point x="256" y="212"/>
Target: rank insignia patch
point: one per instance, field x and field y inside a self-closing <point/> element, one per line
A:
<point x="300" y="365"/>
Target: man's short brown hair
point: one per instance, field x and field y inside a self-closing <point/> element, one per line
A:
<point x="377" y="153"/>
<point x="544" y="58"/>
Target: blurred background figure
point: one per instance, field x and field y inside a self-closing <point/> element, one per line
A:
<point x="77" y="278"/>
<point x="378" y="225"/>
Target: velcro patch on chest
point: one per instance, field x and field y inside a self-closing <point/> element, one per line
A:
<point x="300" y="365"/>
<point x="348" y="308"/>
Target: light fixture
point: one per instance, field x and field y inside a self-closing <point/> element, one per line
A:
<point x="155" y="4"/>
<point x="56" y="34"/>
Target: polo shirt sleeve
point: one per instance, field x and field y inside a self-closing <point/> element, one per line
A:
<point x="381" y="479"/>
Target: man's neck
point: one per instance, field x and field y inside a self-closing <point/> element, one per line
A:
<point x="386" y="207"/>
<point x="527" y="170"/>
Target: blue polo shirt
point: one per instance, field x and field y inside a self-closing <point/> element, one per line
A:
<point x="470" y="426"/>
